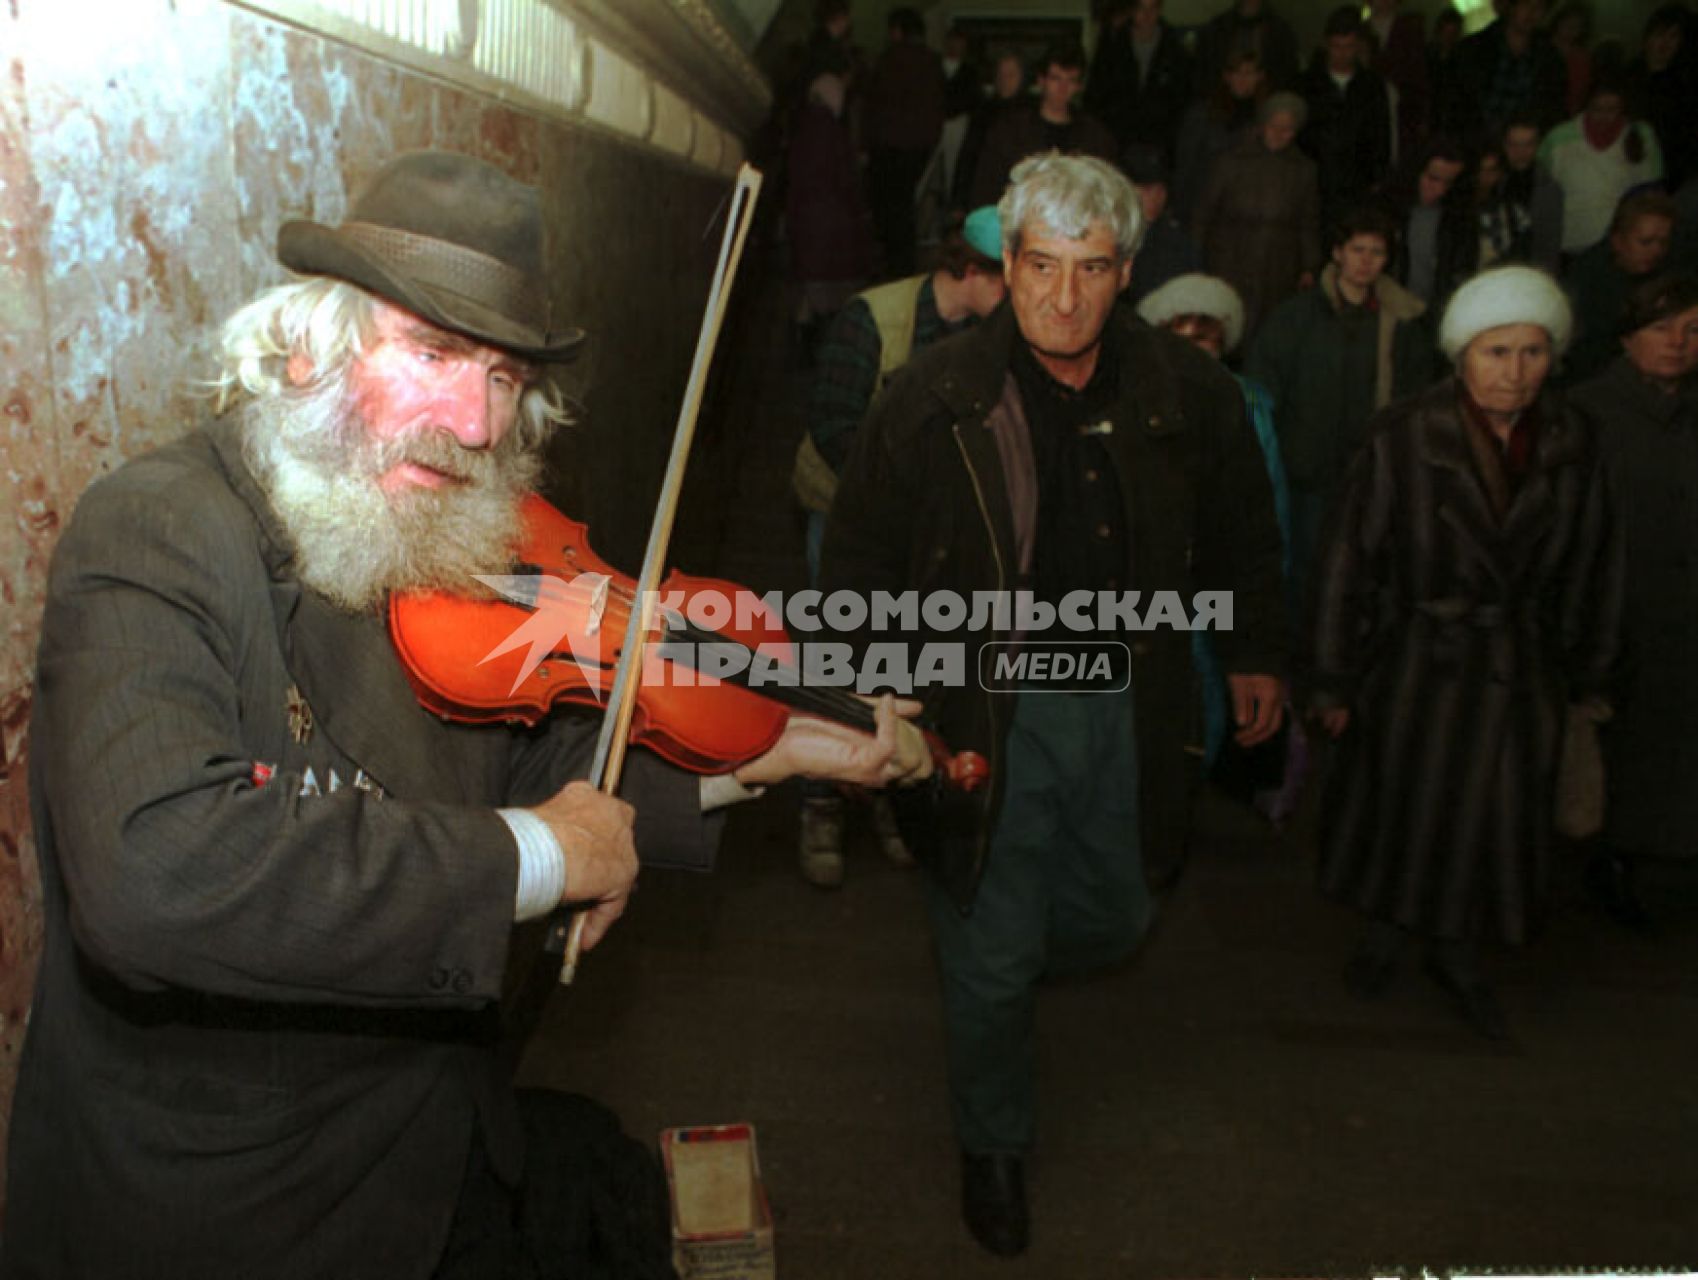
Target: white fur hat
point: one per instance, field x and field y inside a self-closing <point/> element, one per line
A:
<point x="1506" y="295"/>
<point x="1196" y="295"/>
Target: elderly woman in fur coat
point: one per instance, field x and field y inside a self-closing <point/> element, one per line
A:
<point x="1469" y="592"/>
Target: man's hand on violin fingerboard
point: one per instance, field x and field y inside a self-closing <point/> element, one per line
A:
<point x="813" y="748"/>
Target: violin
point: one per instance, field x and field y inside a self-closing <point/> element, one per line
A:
<point x="608" y="623"/>
<point x="556" y="631"/>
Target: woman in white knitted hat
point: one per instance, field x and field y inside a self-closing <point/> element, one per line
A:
<point x="1470" y="588"/>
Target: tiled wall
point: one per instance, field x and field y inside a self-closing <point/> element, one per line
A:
<point x="148" y="151"/>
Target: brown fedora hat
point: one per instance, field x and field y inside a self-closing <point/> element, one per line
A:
<point x="449" y="238"/>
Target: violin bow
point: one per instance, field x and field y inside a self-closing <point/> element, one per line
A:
<point x="566" y="929"/>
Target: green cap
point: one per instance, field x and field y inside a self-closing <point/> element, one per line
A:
<point x="983" y="230"/>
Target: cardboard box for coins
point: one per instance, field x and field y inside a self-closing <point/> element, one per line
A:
<point x="721" y="1223"/>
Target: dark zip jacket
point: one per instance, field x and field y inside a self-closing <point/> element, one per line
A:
<point x="926" y="502"/>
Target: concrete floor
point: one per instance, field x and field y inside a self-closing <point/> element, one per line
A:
<point x="1219" y="1107"/>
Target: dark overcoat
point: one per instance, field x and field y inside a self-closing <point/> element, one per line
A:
<point x="904" y="105"/>
<point x="1259" y="223"/>
<point x="1328" y="377"/>
<point x="1649" y="440"/>
<point x="278" y="908"/>
<point x="1143" y="108"/>
<point x="1456" y="637"/>
<point x="825" y="211"/>
<point x="1598" y="290"/>
<point x="1402" y="62"/>
<point x="1348" y="135"/>
<point x="1205" y="134"/>
<point x="939" y="494"/>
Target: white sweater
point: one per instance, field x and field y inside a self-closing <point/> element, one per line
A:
<point x="1592" y="181"/>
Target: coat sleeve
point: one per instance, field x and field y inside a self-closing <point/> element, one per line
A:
<point x="1651" y="169"/>
<point x="1355" y="553"/>
<point x="846" y="375"/>
<point x="1209" y="206"/>
<point x="868" y="531"/>
<point x="1414" y="361"/>
<point x="1594" y="588"/>
<point x="1109" y="87"/>
<point x="1187" y="161"/>
<point x="182" y="872"/>
<point x="1547" y="223"/>
<point x="1269" y="357"/>
<point x="1376" y="138"/>
<point x="670" y="828"/>
<point x="1260" y="408"/>
<point x="1309" y="221"/>
<point x="1238" y="543"/>
<point x="967" y="159"/>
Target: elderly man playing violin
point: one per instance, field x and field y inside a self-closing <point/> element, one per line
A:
<point x="279" y="893"/>
<point x="1065" y="452"/>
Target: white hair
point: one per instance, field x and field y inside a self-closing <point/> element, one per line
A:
<point x="306" y="443"/>
<point x="1196" y="294"/>
<point x="1506" y="295"/>
<point x="329" y="322"/>
<point x="1068" y="194"/>
<point x="354" y="543"/>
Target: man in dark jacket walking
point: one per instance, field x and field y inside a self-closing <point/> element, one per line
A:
<point x="1068" y="458"/>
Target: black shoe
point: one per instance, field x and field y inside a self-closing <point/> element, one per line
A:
<point x="1475" y="1001"/>
<point x="993" y="1201"/>
<point x="1369" y="973"/>
<point x="1612" y="886"/>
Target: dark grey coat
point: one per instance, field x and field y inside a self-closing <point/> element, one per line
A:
<point x="265" y="1028"/>
<point x="1650" y="443"/>
<point x="1456" y="640"/>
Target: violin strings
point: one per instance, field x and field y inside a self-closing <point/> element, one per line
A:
<point x="834" y="703"/>
<point x="826" y="700"/>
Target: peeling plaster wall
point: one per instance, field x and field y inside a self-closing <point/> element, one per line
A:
<point x="148" y="151"/>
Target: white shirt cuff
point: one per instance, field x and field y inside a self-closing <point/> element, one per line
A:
<point x="542" y="865"/>
<point x="721" y="789"/>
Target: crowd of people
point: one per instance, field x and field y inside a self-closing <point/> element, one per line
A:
<point x="1453" y="282"/>
<point x="1208" y="327"/>
<point x="1516" y="143"/>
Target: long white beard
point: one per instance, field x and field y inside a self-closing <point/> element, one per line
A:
<point x="353" y="542"/>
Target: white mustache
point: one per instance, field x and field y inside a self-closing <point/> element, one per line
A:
<point x="354" y="543"/>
